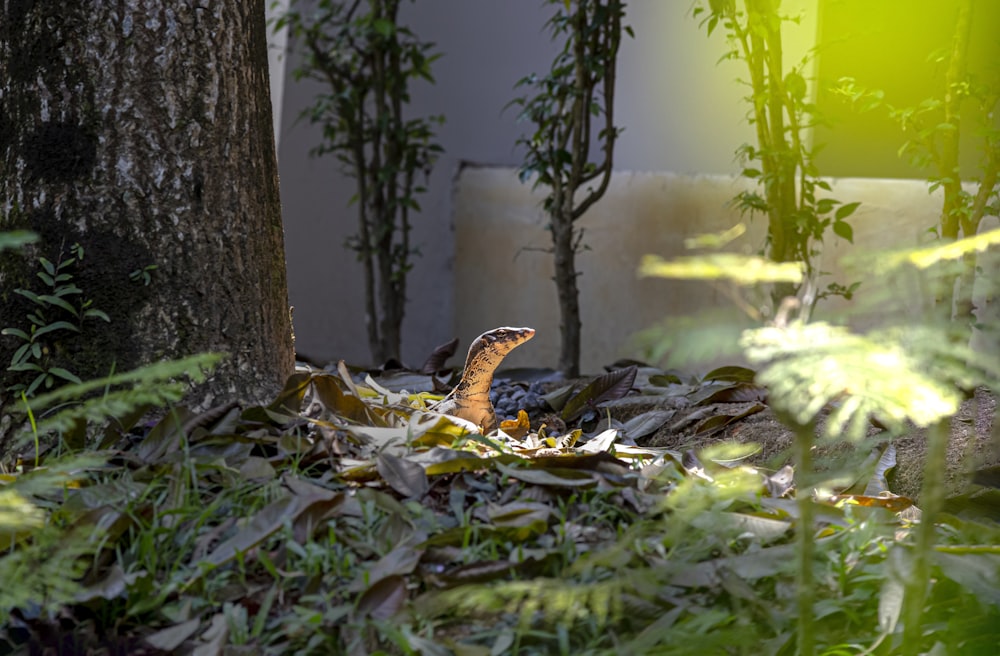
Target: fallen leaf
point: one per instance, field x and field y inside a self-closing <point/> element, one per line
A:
<point x="715" y="423"/>
<point x="383" y="599"/>
<point x="601" y="443"/>
<point x="543" y="477"/>
<point x="517" y="428"/>
<point x="612" y="385"/>
<point x="731" y="374"/>
<point x="890" y="502"/>
<point x="733" y="393"/>
<point x="172" y="637"/>
<point x="647" y="423"/>
<point x="439" y="357"/>
<point x="407" y="478"/>
<point x="400" y="561"/>
<point x="289" y="399"/>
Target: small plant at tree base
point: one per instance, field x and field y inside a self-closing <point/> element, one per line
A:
<point x="366" y="61"/>
<point x="59" y="311"/>
<point x="781" y="114"/>
<point x="143" y="275"/>
<point x="579" y="88"/>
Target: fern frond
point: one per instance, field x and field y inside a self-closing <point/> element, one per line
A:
<point x="740" y="269"/>
<point x="897" y="375"/>
<point x="195" y="367"/>
<point x="152" y="385"/>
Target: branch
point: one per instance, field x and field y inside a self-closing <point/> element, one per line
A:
<point x="970" y="226"/>
<point x="583" y="94"/>
<point x="948" y="164"/>
<point x="613" y="35"/>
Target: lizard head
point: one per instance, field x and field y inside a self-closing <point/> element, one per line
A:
<point x="492" y="346"/>
<point x="503" y="340"/>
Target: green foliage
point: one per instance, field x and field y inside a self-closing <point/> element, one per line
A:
<point x="933" y="130"/>
<point x="903" y="374"/>
<point x="143" y="275"/>
<point x="893" y="376"/>
<point x="16" y="239"/>
<point x="578" y="89"/>
<point x="69" y="409"/>
<point x="366" y="61"/>
<point x="300" y="527"/>
<point x="44" y="557"/>
<point x="47" y="539"/>
<point x="782" y="161"/>
<point x="57" y="313"/>
<point x="566" y="107"/>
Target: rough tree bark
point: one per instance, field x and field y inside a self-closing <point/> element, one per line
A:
<point x="141" y="129"/>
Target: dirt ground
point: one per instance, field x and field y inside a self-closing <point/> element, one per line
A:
<point x="973" y="444"/>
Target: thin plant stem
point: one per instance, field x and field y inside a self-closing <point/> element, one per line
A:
<point x="931" y="496"/>
<point x="804" y="579"/>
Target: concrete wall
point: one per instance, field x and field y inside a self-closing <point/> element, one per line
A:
<point x="681" y="112"/>
<point x="642" y="213"/>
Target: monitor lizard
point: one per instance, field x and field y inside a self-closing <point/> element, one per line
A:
<point x="470" y="400"/>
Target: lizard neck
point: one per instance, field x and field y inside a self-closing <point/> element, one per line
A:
<point x="478" y="376"/>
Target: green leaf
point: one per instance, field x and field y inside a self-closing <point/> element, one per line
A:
<point x="896" y="376"/>
<point x="712" y="24"/>
<point x="384" y="27"/>
<point x="65" y="375"/>
<point x="31" y="296"/>
<point x="54" y="300"/>
<point x="21" y="354"/>
<point x="824" y="205"/>
<point x="843" y="230"/>
<point x="16" y="239"/>
<point x="97" y="314"/>
<point x="52" y="327"/>
<point x="25" y="366"/>
<point x="741" y="269"/>
<point x="48" y="266"/>
<point x="846" y="210"/>
<point x="16" y="332"/>
<point x="35" y="384"/>
<point x="66" y="290"/>
<point x="795" y="86"/>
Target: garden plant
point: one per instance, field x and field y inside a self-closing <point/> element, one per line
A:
<point x="782" y="114"/>
<point x="346" y="516"/>
<point x="366" y="62"/>
<point x="572" y="109"/>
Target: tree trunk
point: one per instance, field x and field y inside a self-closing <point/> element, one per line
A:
<point x="142" y="131"/>
<point x="564" y="254"/>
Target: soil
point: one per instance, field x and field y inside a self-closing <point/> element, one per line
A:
<point x="974" y="443"/>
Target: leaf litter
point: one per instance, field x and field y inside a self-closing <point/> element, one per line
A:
<point x="346" y="503"/>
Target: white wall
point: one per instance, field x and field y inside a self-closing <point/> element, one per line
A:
<point x="277" y="44"/>
<point x="681" y="113"/>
